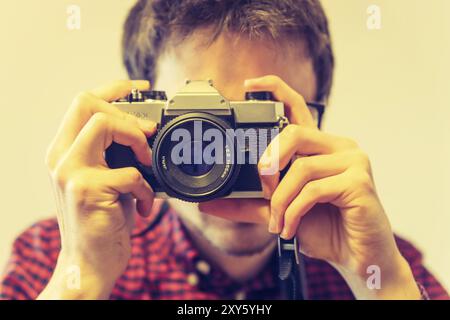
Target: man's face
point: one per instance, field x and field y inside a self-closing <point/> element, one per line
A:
<point x="228" y="62"/>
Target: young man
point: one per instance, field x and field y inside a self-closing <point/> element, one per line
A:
<point x="100" y="248"/>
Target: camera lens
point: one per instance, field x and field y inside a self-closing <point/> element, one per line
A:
<point x="192" y="168"/>
<point x="193" y="157"/>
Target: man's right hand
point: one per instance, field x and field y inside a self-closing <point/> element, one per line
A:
<point x="95" y="204"/>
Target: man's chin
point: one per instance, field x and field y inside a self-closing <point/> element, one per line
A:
<point x="232" y="238"/>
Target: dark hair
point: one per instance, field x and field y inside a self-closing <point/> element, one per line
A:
<point x="151" y="23"/>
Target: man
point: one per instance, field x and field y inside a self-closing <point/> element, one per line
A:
<point x="101" y="249"/>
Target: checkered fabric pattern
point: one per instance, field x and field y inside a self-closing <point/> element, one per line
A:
<point x="165" y="264"/>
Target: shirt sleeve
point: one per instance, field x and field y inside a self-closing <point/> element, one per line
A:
<point x="429" y="285"/>
<point x="31" y="262"/>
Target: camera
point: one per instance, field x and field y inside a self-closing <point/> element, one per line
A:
<point x="205" y="147"/>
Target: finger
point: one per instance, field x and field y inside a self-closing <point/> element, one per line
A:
<point x="98" y="134"/>
<point x="119" y="89"/>
<point x="130" y="181"/>
<point x="239" y="210"/>
<point x="295" y="106"/>
<point x="325" y="190"/>
<point x="295" y="140"/>
<point x="81" y="110"/>
<point x="302" y="171"/>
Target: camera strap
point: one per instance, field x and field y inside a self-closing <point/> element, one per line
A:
<point x="291" y="270"/>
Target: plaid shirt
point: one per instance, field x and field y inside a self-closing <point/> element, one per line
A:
<point x="166" y="265"/>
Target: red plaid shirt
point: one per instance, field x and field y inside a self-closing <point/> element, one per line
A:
<point x="166" y="265"/>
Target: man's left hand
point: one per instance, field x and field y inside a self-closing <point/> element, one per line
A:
<point x="327" y="199"/>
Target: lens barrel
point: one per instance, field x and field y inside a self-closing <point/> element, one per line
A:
<point x="193" y="157"/>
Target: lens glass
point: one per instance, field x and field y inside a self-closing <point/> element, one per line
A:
<point x="193" y="157"/>
<point x="196" y="169"/>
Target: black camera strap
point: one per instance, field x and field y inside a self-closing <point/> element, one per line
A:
<point x="291" y="270"/>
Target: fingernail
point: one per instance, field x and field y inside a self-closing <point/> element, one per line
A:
<point x="272" y="224"/>
<point x="149" y="159"/>
<point x="140" y="84"/>
<point x="146" y="125"/>
<point x="265" y="191"/>
<point x="265" y="166"/>
<point x="284" y="234"/>
<point x="250" y="82"/>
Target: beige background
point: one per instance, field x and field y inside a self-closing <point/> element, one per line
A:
<point x="391" y="93"/>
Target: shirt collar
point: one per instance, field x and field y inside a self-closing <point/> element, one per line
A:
<point x="209" y="277"/>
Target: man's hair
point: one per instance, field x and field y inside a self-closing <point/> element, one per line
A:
<point x="152" y="23"/>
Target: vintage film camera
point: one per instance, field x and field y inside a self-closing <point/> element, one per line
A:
<point x="188" y="124"/>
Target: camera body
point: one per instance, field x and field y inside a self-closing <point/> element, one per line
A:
<point x="206" y="147"/>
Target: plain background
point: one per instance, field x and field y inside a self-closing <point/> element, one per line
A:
<point x="391" y="94"/>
